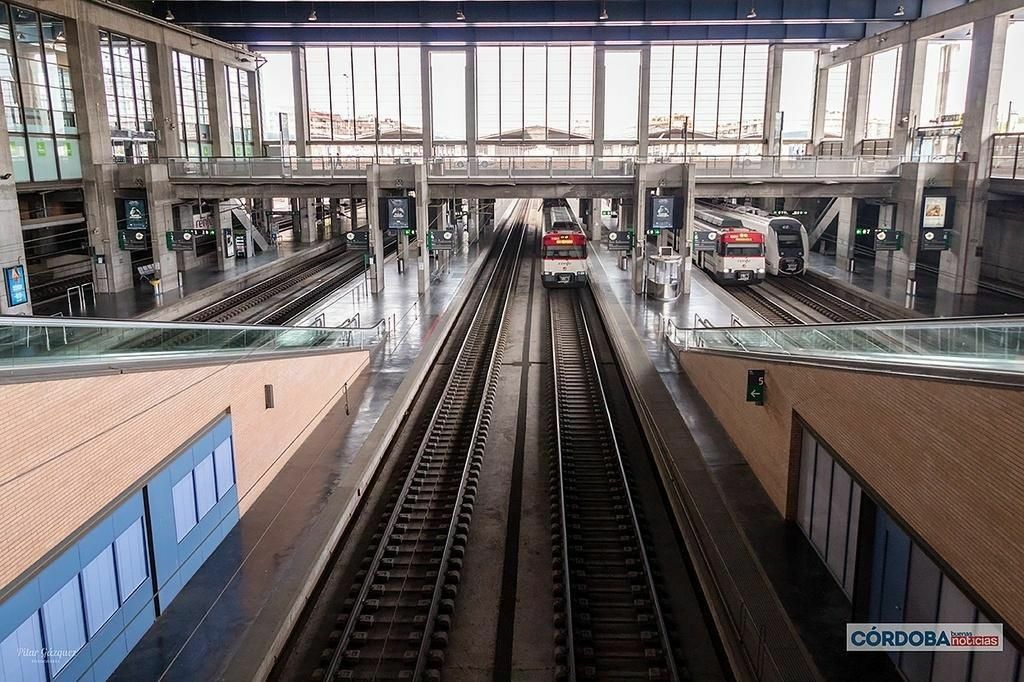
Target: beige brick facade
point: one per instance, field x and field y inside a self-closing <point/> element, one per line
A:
<point x="71" y="446"/>
<point x="945" y="457"/>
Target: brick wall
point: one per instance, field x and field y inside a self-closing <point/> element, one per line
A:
<point x="71" y="446"/>
<point x="946" y="457"/>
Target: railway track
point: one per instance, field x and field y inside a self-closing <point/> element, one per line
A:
<point x="770" y="311"/>
<point x="611" y="624"/>
<point x="827" y="304"/>
<point x="248" y="301"/>
<point x="396" y="618"/>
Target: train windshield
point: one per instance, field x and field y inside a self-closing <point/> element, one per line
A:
<point x="790" y="240"/>
<point x="744" y="251"/>
<point x="565" y="251"/>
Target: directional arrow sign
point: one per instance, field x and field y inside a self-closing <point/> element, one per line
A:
<point x="755" y="386"/>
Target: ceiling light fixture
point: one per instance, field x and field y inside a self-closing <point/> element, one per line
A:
<point x="900" y="11"/>
<point x="603" y="16"/>
<point x="312" y="14"/>
<point x="459" y="14"/>
<point x="169" y="16"/>
<point x="752" y="14"/>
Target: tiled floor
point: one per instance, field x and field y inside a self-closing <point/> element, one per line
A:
<point x="203" y="626"/>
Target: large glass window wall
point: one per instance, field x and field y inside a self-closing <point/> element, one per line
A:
<point x="240" y="110"/>
<point x="944" y="90"/>
<point x="129" y="98"/>
<point x="882" y="94"/>
<point x="835" y="102"/>
<point x="622" y="95"/>
<point x="1010" y="115"/>
<point x="732" y="84"/>
<point x="796" y="95"/>
<point x="448" y="101"/>
<point x="364" y="95"/>
<point x="277" y="101"/>
<point x="194" y="135"/>
<point x="35" y="80"/>
<point x="542" y="93"/>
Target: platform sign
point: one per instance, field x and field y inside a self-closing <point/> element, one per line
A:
<point x="755" y="386"/>
<point x="135" y="216"/>
<point x="397" y="213"/>
<point x="133" y="240"/>
<point x="888" y="240"/>
<point x="357" y="240"/>
<point x="705" y="240"/>
<point x="662" y="212"/>
<point x="620" y="241"/>
<point x="17" y="289"/>
<point x="441" y="240"/>
<point x="936" y="240"/>
<point x="181" y="240"/>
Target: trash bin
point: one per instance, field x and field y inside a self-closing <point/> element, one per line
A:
<point x="664" y="274"/>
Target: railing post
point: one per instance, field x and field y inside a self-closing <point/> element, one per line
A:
<point x="1016" y="157"/>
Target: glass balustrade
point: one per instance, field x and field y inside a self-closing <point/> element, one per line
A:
<point x="986" y="344"/>
<point x="42" y="342"/>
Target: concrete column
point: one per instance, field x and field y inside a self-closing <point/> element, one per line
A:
<point x="183" y="220"/>
<point x="165" y="103"/>
<point x="301" y="100"/>
<point x="908" y="96"/>
<point x="471" y="101"/>
<point x="846" y="231"/>
<point x="220" y="111"/>
<point x="599" y="95"/>
<point x="160" y="206"/>
<point x="639" y="225"/>
<point x="335" y="211"/>
<point x="960" y="267"/>
<point x="425" y="103"/>
<point x="98" y="169"/>
<point x="886" y="221"/>
<point x="422" y="221"/>
<point x="221" y="217"/>
<point x="773" y="100"/>
<point x="645" y="100"/>
<point x="818" y="119"/>
<point x="689" y="196"/>
<point x="594" y="219"/>
<point x="376" y="229"/>
<point x="857" y="81"/>
<point x="474" y="221"/>
<point x="909" y="198"/>
<point x="307" y="222"/>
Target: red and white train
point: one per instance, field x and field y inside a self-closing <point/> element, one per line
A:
<point x="739" y="255"/>
<point x="563" y="247"/>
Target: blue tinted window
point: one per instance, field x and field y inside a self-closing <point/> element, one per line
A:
<point x="225" y="468"/>
<point x="184" y="499"/>
<point x="206" y="486"/>
<point x="21" y="655"/>
<point x="130" y="550"/>
<point x="63" y="625"/>
<point x="100" y="588"/>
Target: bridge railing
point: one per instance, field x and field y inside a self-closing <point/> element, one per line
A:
<point x="1007" y="156"/>
<point x="525" y="167"/>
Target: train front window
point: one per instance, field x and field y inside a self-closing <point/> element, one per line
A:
<point x="563" y="252"/>
<point x="745" y="251"/>
<point x="790" y="240"/>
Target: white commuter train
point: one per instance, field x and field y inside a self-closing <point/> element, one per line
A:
<point x="738" y="257"/>
<point x="563" y="247"/>
<point x="786" y="244"/>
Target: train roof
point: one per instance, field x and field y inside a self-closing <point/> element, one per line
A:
<point x="752" y="221"/>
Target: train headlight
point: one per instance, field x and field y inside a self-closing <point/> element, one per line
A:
<point x="760" y="271"/>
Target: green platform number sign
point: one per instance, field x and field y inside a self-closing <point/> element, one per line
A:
<point x="755" y="386"/>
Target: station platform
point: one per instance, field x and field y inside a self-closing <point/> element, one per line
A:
<point x="142" y="300"/>
<point x="723" y="482"/>
<point x="929" y="301"/>
<point x="229" y="615"/>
